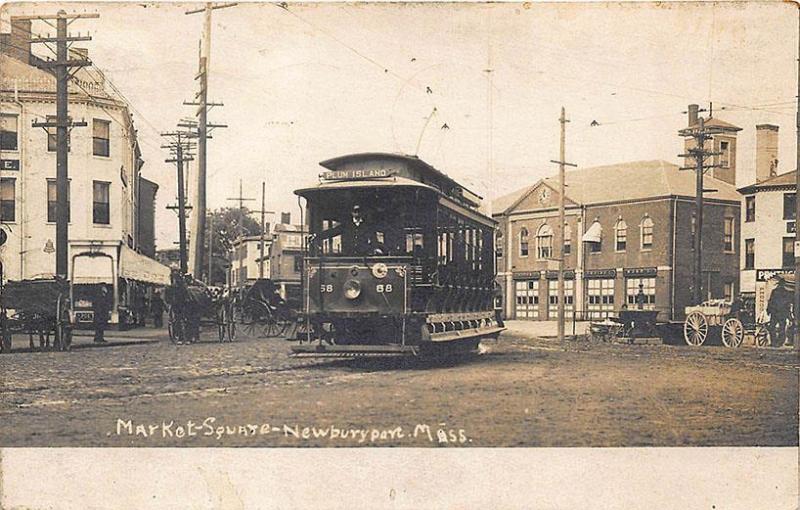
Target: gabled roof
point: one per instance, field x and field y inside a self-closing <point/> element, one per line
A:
<point x="717" y="123"/>
<point x="624" y="181"/>
<point x="784" y="179"/>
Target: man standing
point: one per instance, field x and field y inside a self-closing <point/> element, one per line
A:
<point x="157" y="309"/>
<point x="778" y="308"/>
<point x="100" y="308"/>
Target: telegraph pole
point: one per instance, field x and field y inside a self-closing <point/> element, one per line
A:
<point x="241" y="201"/>
<point x="63" y="66"/>
<point x="561" y="219"/>
<point x="699" y="134"/>
<point x="201" y="101"/>
<point x="179" y="147"/>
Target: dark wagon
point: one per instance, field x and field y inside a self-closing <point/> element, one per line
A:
<point x="36" y="307"/>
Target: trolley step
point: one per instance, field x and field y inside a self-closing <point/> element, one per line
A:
<point x="344" y="351"/>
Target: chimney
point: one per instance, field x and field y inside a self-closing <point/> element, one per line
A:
<point x="17" y="44"/>
<point x="286" y="218"/>
<point x="766" y="152"/>
<point x="693" y="109"/>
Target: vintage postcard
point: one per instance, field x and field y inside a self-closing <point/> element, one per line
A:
<point x="344" y="227"/>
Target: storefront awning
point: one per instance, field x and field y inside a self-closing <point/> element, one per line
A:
<point x="594" y="234"/>
<point x="134" y="266"/>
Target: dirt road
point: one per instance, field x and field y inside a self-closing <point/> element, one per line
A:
<point x="519" y="391"/>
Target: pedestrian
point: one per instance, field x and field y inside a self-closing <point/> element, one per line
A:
<point x="779" y="311"/>
<point x="101" y="308"/>
<point x="157" y="310"/>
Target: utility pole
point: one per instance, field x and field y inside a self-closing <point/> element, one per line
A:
<point x="203" y="129"/>
<point x="63" y="66"/>
<point x="261" y="245"/>
<point x="210" y="246"/>
<point x="699" y="133"/>
<point x="241" y="201"/>
<point x="561" y="219"/>
<point x="180" y="146"/>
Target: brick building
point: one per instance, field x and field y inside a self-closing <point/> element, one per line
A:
<point x="286" y="258"/>
<point x="626" y="225"/>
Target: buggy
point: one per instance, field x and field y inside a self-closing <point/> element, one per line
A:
<point x="263" y="311"/>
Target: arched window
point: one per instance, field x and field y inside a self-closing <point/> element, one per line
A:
<point x="544" y="242"/>
<point x="567" y="238"/>
<point x="523" y="242"/>
<point x="620" y="235"/>
<point x="646" y="228"/>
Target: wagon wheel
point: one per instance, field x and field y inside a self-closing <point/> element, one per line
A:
<point x="695" y="329"/>
<point x="221" y="327"/>
<point x="762" y="335"/>
<point x="732" y="332"/>
<point x="63" y="326"/>
<point x="231" y="323"/>
<point x="174" y="326"/>
<point x="270" y="328"/>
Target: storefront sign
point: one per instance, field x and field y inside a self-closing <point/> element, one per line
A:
<point x="600" y="273"/>
<point x="763" y="275"/>
<point x="527" y="275"/>
<point x="640" y="271"/>
<point x="568" y="275"/>
<point x="9" y="164"/>
<point x="343" y="175"/>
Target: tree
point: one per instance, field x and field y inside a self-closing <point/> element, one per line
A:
<point x="225" y="224"/>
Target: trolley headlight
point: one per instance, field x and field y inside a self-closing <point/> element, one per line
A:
<point x="352" y="289"/>
<point x="379" y="270"/>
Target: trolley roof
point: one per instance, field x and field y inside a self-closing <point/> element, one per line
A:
<point x="382" y="168"/>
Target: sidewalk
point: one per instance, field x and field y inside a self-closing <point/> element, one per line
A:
<point x="84" y="338"/>
<point x="543" y="329"/>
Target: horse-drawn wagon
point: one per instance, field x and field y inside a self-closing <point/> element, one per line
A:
<point x="725" y="321"/>
<point x="36" y="307"/>
<point x="192" y="305"/>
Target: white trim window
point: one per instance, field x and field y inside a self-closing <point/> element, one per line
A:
<point x="552" y="298"/>
<point x="727" y="239"/>
<point x="620" y="235"/>
<point x="544" y="242"/>
<point x="527" y="299"/>
<point x="523" y="242"/>
<point x="646" y="233"/>
<point x="599" y="297"/>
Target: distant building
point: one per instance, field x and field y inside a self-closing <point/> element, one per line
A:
<point x="768" y="219"/>
<point x="248" y="251"/>
<point x="146" y="228"/>
<point x="105" y="184"/>
<point x="627" y="225"/>
<point x="286" y="258"/>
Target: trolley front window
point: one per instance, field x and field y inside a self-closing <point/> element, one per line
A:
<point x="360" y="223"/>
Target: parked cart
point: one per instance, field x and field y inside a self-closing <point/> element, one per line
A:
<point x="37" y="307"/>
<point x="721" y="320"/>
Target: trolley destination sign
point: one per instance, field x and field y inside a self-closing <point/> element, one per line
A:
<point x="352" y="173"/>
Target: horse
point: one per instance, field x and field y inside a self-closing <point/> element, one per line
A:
<point x="188" y="299"/>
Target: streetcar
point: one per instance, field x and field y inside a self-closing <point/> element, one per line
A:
<point x="398" y="261"/>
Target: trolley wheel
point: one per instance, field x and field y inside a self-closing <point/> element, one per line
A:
<point x="695" y="329"/>
<point x="762" y="335"/>
<point x="732" y="332"/>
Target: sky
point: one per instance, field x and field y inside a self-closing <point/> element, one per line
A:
<point x="473" y="89"/>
